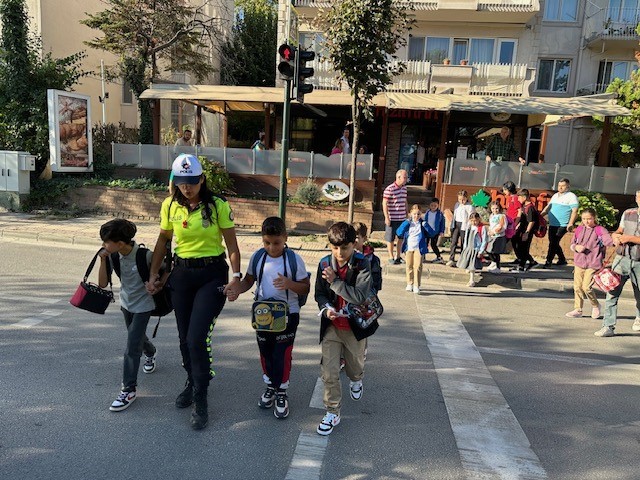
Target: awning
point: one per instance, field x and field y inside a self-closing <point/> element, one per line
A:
<point x="593" y="105"/>
<point x="226" y="97"/>
<point x="223" y="98"/>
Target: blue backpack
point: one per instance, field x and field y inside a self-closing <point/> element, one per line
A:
<point x="291" y="256"/>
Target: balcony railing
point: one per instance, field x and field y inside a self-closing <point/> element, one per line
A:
<point x="592" y="89"/>
<point x="423" y="77"/>
<point x="431" y="5"/>
<point x="611" y="24"/>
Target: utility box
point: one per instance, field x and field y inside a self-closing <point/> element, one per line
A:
<point x="15" y="168"/>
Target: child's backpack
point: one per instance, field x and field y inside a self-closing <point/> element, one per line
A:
<point x="162" y="299"/>
<point x="291" y="256"/>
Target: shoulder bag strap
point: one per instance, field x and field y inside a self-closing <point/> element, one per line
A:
<point x="90" y="268"/>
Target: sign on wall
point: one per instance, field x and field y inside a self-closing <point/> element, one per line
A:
<point x="70" y="146"/>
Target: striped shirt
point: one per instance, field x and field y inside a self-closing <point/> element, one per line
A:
<point x="396" y="198"/>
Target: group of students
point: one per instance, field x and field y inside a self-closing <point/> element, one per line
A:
<point x="198" y="221"/>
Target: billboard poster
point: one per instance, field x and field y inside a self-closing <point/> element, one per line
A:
<point x="70" y="147"/>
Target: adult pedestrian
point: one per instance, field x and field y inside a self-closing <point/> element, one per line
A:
<point x="346" y="146"/>
<point x="626" y="263"/>
<point x="185" y="140"/>
<point x="338" y="147"/>
<point x="562" y="210"/>
<point x="199" y="220"/>
<point x="259" y="144"/>
<point x="395" y="209"/>
<point x="501" y="149"/>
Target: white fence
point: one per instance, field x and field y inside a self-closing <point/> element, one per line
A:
<point x="245" y="160"/>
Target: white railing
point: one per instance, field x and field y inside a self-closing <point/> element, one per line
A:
<point x="611" y="23"/>
<point x="245" y="160"/>
<point x="424" y="77"/>
<point x="592" y="89"/>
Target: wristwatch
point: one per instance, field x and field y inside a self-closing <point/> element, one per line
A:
<point x="237" y="275"/>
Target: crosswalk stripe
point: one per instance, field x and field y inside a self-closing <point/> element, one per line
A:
<point x="490" y="440"/>
<point x="48" y="301"/>
<point x="317" y="395"/>
<point x="307" y="457"/>
<point x="28" y="322"/>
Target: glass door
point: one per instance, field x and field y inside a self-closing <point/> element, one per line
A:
<point x="460" y="48"/>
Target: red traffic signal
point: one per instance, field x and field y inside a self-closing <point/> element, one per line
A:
<point x="287" y="65"/>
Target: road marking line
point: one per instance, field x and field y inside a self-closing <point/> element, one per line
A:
<point x="317" y="395"/>
<point x="51" y="313"/>
<point x="48" y="301"/>
<point x="28" y="322"/>
<point x="307" y="457"/>
<point x="490" y="440"/>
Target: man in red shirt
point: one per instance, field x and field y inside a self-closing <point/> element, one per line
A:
<point x="395" y="209"/>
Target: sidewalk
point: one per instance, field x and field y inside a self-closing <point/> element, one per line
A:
<point x="84" y="231"/>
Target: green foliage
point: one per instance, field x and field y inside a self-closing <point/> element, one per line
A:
<point x="103" y="135"/>
<point x="605" y="211"/>
<point x="625" y="131"/>
<point x="146" y="33"/>
<point x="249" y="52"/>
<point x="308" y="193"/>
<point x="25" y="76"/>
<point x="140" y="183"/>
<point x="361" y="37"/>
<point x="218" y="179"/>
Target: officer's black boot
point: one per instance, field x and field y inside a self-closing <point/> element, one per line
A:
<point x="186" y="396"/>
<point x="200" y="412"/>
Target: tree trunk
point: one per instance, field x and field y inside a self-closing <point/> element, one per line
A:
<point x="146" y="122"/>
<point x="355" y="115"/>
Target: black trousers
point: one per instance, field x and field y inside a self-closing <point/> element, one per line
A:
<point x="197" y="296"/>
<point x="456" y="233"/>
<point x="433" y="241"/>
<point x="522" y="248"/>
<point x="275" y="353"/>
<point x="555" y="235"/>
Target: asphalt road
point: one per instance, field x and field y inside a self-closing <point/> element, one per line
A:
<point x="566" y="398"/>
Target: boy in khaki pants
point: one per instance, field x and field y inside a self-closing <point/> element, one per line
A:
<point x="343" y="277"/>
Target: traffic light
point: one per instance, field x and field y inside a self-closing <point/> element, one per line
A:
<point x="287" y="67"/>
<point x="302" y="73"/>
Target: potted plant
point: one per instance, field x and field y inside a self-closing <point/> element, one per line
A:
<point x="446" y="61"/>
<point x="464" y="62"/>
<point x="606" y="26"/>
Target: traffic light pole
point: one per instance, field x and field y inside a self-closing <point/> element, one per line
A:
<point x="284" y="162"/>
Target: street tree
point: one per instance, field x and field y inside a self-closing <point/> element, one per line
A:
<point x="25" y="75"/>
<point x="625" y="131"/>
<point x="148" y="36"/>
<point x="361" y="41"/>
<point x="247" y="56"/>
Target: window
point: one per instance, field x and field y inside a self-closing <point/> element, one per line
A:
<point x="416" y="48"/>
<point x="313" y="41"/>
<point x="553" y="75"/>
<point x="127" y="94"/>
<point x="481" y="50"/>
<point x="506" y="51"/>
<point x="561" y="10"/>
<point x="460" y="47"/>
<point x="623" y="11"/>
<point x="610" y="70"/>
<point x="437" y="49"/>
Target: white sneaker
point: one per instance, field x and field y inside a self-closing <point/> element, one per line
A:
<point x="409" y="287"/>
<point x="355" y="390"/>
<point x="329" y="421"/>
<point x="636" y="325"/>
<point x="494" y="270"/>
<point x="123" y="401"/>
<point x="149" y="363"/>
<point x="471" y="284"/>
<point x="492" y="266"/>
<point x="416" y="289"/>
<point x="605" y="332"/>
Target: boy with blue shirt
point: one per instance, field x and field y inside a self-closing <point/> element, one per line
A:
<point x="562" y="210"/>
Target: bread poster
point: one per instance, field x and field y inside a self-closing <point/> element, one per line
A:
<point x="69" y="132"/>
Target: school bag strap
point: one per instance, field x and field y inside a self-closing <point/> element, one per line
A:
<point x="93" y="264"/>
<point x="258" y="274"/>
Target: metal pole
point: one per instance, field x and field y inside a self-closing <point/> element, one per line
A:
<point x="104" y="100"/>
<point x="341" y="164"/>
<point x="555" y="176"/>
<point x="371" y="169"/>
<point x="311" y="166"/>
<point x="451" y="165"/>
<point x="284" y="161"/>
<point x="593" y="169"/>
<point x="253" y="157"/>
<point x="224" y="156"/>
<point x="626" y="180"/>
<point x="520" y="175"/>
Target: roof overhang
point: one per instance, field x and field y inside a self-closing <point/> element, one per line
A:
<point x="223" y="98"/>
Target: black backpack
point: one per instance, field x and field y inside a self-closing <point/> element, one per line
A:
<point x="162" y="299"/>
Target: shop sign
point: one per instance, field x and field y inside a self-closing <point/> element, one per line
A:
<point x="398" y="114"/>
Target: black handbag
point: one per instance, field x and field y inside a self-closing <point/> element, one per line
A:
<point x="91" y="297"/>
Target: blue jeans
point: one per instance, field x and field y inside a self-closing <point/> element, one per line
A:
<point x="137" y="343"/>
<point x="628" y="269"/>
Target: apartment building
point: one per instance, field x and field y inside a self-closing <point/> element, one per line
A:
<point x="57" y="23"/>
<point x="501" y="49"/>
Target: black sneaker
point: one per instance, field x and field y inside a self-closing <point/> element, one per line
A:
<point x="546" y="265"/>
<point x="531" y="265"/>
<point x="282" y="405"/>
<point x="397" y="261"/>
<point x="561" y="263"/>
<point x="267" y="398"/>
